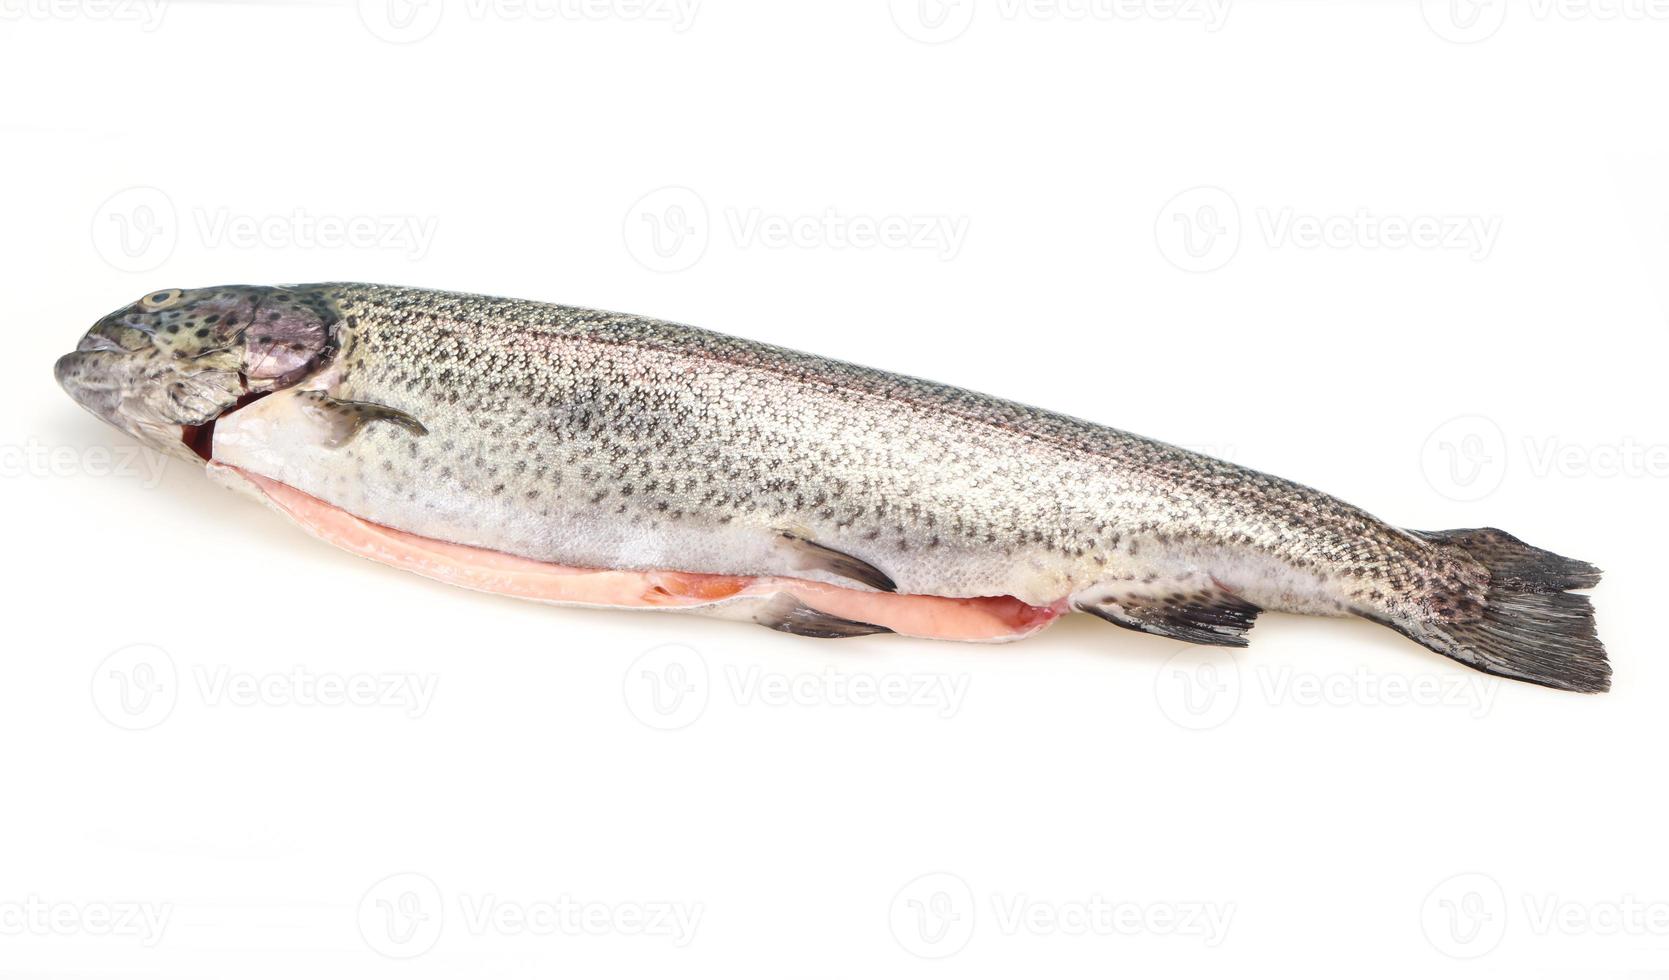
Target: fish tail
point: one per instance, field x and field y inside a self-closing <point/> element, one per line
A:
<point x="1522" y="623"/>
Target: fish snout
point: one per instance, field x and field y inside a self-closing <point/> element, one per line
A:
<point x="80" y="374"/>
<point x="64" y="369"/>
<point x="117" y="387"/>
<point x="92" y="385"/>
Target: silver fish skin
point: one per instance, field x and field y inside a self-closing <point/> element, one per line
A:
<point x="607" y="440"/>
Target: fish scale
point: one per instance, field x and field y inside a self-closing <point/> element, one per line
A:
<point x="903" y="468"/>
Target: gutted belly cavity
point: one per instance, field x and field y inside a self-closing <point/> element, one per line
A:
<point x="940" y="617"/>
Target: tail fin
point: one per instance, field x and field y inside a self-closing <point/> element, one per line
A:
<point x="1530" y="628"/>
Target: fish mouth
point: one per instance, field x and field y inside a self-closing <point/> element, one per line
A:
<point x="108" y="394"/>
<point x="94" y="342"/>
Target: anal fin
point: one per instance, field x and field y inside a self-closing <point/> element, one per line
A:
<point x="1195" y="610"/>
<point x="787" y="614"/>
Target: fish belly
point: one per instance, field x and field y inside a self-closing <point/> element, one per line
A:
<point x="993" y="618"/>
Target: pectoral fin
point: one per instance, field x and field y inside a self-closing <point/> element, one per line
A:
<point x="343" y="419"/>
<point x="1196" y="610"/>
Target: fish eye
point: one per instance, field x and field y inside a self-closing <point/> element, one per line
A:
<point x="161" y="300"/>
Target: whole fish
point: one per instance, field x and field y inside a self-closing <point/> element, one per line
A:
<point x="577" y="456"/>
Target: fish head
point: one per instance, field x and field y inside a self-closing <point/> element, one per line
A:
<point x="177" y="359"/>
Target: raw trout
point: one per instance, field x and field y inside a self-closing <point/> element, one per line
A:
<point x="575" y="456"/>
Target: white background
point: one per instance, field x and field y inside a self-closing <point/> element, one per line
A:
<point x="1414" y="257"/>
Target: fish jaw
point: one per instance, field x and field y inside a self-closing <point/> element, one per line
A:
<point x="978" y="619"/>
